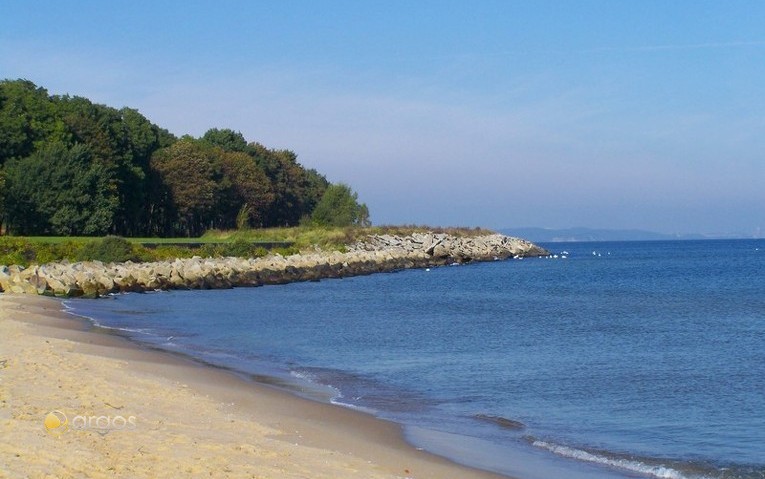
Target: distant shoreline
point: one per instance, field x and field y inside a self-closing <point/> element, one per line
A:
<point x="584" y="235"/>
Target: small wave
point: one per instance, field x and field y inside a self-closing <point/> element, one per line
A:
<point x="72" y="311"/>
<point x="658" y="471"/>
<point x="126" y="329"/>
<point x="305" y="375"/>
<point x="501" y="421"/>
<point x="337" y="402"/>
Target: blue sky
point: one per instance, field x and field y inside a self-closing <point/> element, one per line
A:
<point x="608" y="114"/>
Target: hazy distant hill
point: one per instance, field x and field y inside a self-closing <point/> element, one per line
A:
<point x="590" y="234"/>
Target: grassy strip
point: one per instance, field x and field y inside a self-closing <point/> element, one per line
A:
<point x="86" y="239"/>
<point x="242" y="243"/>
<point x="25" y="252"/>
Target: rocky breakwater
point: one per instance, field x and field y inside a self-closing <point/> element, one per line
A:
<point x="377" y="253"/>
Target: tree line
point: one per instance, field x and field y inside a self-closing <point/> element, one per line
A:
<point x="71" y="167"/>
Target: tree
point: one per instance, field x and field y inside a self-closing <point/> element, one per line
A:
<point x="27" y="117"/>
<point x="60" y="190"/>
<point x="363" y="216"/>
<point x="2" y="199"/>
<point x="121" y="142"/>
<point x="76" y="167"/>
<point x="138" y="139"/>
<point x="191" y="171"/>
<point x="248" y="192"/>
<point x="229" y="140"/>
<point x="315" y="184"/>
<point x="340" y="207"/>
<point x="296" y="190"/>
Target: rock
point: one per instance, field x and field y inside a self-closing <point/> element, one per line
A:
<point x="5" y="279"/>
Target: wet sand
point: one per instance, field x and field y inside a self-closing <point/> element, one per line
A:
<point x="137" y="412"/>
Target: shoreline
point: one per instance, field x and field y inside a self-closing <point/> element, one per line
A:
<point x="54" y="361"/>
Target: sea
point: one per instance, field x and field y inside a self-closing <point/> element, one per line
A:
<point x="605" y="360"/>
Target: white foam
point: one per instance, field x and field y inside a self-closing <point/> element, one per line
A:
<point x="303" y="375"/>
<point x="658" y="471"/>
<point x="129" y="330"/>
<point x="69" y="309"/>
<point x="337" y="402"/>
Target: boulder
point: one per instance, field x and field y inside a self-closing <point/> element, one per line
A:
<point x="5" y="279"/>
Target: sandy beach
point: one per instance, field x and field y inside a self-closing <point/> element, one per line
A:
<point x="114" y="409"/>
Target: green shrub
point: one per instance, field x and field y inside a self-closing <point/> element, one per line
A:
<point x="111" y="249"/>
<point x="69" y="250"/>
<point x="210" y="250"/>
<point x="289" y="251"/>
<point x="241" y="248"/>
<point x="168" y="253"/>
<point x="46" y="253"/>
<point x="16" y="251"/>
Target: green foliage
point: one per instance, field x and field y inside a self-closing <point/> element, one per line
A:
<point x="164" y="253"/>
<point x="246" y="191"/>
<point x="211" y="188"/>
<point x="191" y="172"/>
<point x="287" y="251"/>
<point x="24" y="252"/>
<point x="228" y="140"/>
<point x="111" y="249"/>
<point x="60" y="190"/>
<point x="243" y="217"/>
<point x="103" y="146"/>
<point x="339" y="206"/>
<point x="15" y="251"/>
<point x="296" y="189"/>
<point x="73" y="167"/>
<point x="239" y="248"/>
<point x="67" y="250"/>
<point x="2" y="198"/>
<point x="26" y="117"/>
<point x="137" y="203"/>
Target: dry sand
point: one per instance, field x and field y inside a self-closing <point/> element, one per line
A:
<point x="188" y="420"/>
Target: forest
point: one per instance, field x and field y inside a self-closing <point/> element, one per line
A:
<point x="70" y="167"/>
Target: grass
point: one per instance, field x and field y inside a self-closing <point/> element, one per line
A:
<point x="85" y="239"/>
<point x="246" y="243"/>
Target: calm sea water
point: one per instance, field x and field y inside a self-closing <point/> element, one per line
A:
<point x="629" y="359"/>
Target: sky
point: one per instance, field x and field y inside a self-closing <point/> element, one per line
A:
<point x="605" y="114"/>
